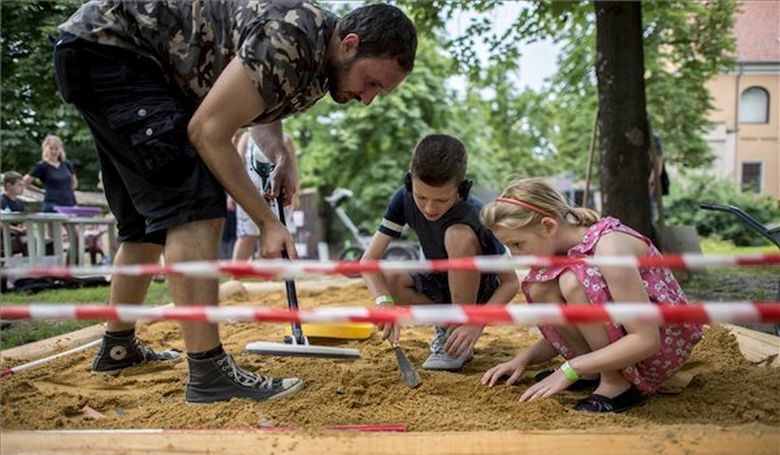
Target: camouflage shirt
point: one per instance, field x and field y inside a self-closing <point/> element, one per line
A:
<point x="281" y="43"/>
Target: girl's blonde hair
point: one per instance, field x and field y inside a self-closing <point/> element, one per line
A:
<point x="50" y="138"/>
<point x="527" y="201"/>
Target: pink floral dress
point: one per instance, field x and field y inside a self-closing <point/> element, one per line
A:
<point x="677" y="340"/>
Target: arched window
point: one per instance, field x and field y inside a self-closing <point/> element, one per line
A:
<point x="754" y="106"/>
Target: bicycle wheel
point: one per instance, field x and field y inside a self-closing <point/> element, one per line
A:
<point x="400" y="253"/>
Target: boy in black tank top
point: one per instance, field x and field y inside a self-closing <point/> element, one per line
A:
<point x="435" y="203"/>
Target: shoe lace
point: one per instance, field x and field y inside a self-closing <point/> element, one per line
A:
<point x="439" y="339"/>
<point x="146" y="352"/>
<point x="242" y="376"/>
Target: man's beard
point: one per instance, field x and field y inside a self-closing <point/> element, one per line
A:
<point x="337" y="73"/>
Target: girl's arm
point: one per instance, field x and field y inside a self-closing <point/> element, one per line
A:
<point x="540" y="352"/>
<point x="507" y="290"/>
<point x="625" y="285"/>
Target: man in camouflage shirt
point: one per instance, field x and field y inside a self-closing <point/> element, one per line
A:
<point x="163" y="85"/>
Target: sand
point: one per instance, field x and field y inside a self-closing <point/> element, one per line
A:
<point x="726" y="390"/>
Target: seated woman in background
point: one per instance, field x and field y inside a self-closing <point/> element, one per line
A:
<point x="55" y="173"/>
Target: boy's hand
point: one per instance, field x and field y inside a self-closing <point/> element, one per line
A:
<point x="391" y="332"/>
<point x="462" y="339"/>
<point x="514" y="369"/>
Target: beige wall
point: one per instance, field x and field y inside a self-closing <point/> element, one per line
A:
<point x="751" y="142"/>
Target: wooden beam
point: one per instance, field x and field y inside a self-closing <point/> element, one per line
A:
<point x="53" y="345"/>
<point x="757" y="346"/>
<point x="693" y="439"/>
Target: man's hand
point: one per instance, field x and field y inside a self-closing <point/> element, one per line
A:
<point x="462" y="339"/>
<point x="274" y="238"/>
<point x="285" y="178"/>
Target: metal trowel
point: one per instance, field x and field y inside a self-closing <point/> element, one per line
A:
<point x="408" y="373"/>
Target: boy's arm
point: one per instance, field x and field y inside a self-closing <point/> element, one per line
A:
<point x="507" y="289"/>
<point x="461" y="241"/>
<point x="376" y="249"/>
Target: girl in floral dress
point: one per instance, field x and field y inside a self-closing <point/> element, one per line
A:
<point x="627" y="361"/>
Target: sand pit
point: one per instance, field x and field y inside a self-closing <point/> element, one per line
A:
<point x="726" y="389"/>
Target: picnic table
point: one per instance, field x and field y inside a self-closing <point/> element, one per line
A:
<point x="57" y="224"/>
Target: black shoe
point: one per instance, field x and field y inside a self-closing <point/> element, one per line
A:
<point x="118" y="353"/>
<point x="220" y="379"/>
<point x="577" y="386"/>
<point x="623" y="402"/>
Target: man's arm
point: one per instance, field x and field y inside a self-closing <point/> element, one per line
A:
<point x="270" y="139"/>
<point x="232" y="103"/>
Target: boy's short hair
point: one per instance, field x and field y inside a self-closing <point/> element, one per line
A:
<point x="439" y="159"/>
<point x="11" y="177"/>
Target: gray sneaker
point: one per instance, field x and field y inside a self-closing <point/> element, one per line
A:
<point x="439" y="359"/>
<point x="116" y="354"/>
<point x="220" y="379"/>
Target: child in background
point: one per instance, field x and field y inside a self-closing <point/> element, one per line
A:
<point x="13" y="187"/>
<point x="630" y="360"/>
<point x="435" y="203"/>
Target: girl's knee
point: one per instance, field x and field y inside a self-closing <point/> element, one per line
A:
<point x="571" y="288"/>
<point x="544" y="292"/>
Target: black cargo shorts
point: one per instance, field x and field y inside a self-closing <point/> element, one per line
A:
<point x="152" y="176"/>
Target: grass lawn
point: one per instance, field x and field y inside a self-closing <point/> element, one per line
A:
<point x="21" y="332"/>
<point x="713" y="245"/>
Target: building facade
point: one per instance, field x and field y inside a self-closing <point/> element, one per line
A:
<point x="745" y="137"/>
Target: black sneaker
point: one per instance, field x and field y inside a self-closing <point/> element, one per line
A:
<point x="118" y="353"/>
<point x="220" y="379"/>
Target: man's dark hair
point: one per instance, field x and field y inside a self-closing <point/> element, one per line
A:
<point x="439" y="159"/>
<point x="384" y="31"/>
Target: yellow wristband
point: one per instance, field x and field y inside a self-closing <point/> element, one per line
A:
<point x="569" y="372"/>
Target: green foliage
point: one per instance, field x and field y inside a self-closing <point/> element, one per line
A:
<point x="686" y="43"/>
<point x="31" y="106"/>
<point x="682" y="208"/>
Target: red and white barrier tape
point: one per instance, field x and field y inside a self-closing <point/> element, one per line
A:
<point x="279" y="268"/>
<point x="515" y="314"/>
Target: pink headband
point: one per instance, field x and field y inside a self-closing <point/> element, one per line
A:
<point x="526" y="205"/>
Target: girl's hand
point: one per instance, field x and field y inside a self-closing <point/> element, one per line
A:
<point x="549" y="386"/>
<point x="514" y="369"/>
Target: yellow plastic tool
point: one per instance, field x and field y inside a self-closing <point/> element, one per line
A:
<point x="340" y="330"/>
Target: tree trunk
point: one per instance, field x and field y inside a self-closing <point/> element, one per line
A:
<point x="623" y="137"/>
